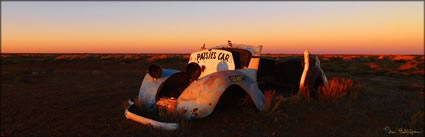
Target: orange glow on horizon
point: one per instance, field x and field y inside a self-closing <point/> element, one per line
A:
<point x="387" y="29"/>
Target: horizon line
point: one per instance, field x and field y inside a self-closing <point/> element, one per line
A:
<point x="361" y="54"/>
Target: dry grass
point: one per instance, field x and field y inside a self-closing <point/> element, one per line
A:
<point x="271" y="101"/>
<point x="277" y="102"/>
<point x="338" y="88"/>
<point x="268" y="97"/>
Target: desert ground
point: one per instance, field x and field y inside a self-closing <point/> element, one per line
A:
<point x="86" y="95"/>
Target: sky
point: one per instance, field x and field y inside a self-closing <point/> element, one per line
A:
<point x="282" y="27"/>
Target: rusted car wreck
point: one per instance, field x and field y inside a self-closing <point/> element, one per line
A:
<point x="195" y="92"/>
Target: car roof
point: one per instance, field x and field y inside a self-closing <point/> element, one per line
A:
<point x="255" y="50"/>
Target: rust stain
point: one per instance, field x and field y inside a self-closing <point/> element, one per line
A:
<point x="195" y="113"/>
<point x="199" y="100"/>
<point x="185" y="98"/>
<point x="182" y="111"/>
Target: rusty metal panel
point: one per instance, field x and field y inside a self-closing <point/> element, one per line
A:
<point x="168" y="104"/>
<point x="200" y="98"/>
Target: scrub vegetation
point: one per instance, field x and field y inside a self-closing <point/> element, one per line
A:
<point x="86" y="95"/>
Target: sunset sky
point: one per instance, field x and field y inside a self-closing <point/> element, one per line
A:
<point x="326" y="27"/>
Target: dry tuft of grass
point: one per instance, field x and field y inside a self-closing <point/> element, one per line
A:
<point x="278" y="101"/>
<point x="338" y="88"/>
<point x="271" y="101"/>
<point x="268" y="97"/>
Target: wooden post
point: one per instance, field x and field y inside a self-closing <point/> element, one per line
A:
<point x="306" y="67"/>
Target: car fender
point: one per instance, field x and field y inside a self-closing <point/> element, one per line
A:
<point x="149" y="87"/>
<point x="199" y="99"/>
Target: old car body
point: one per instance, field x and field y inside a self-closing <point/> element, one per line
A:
<point x="196" y="92"/>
